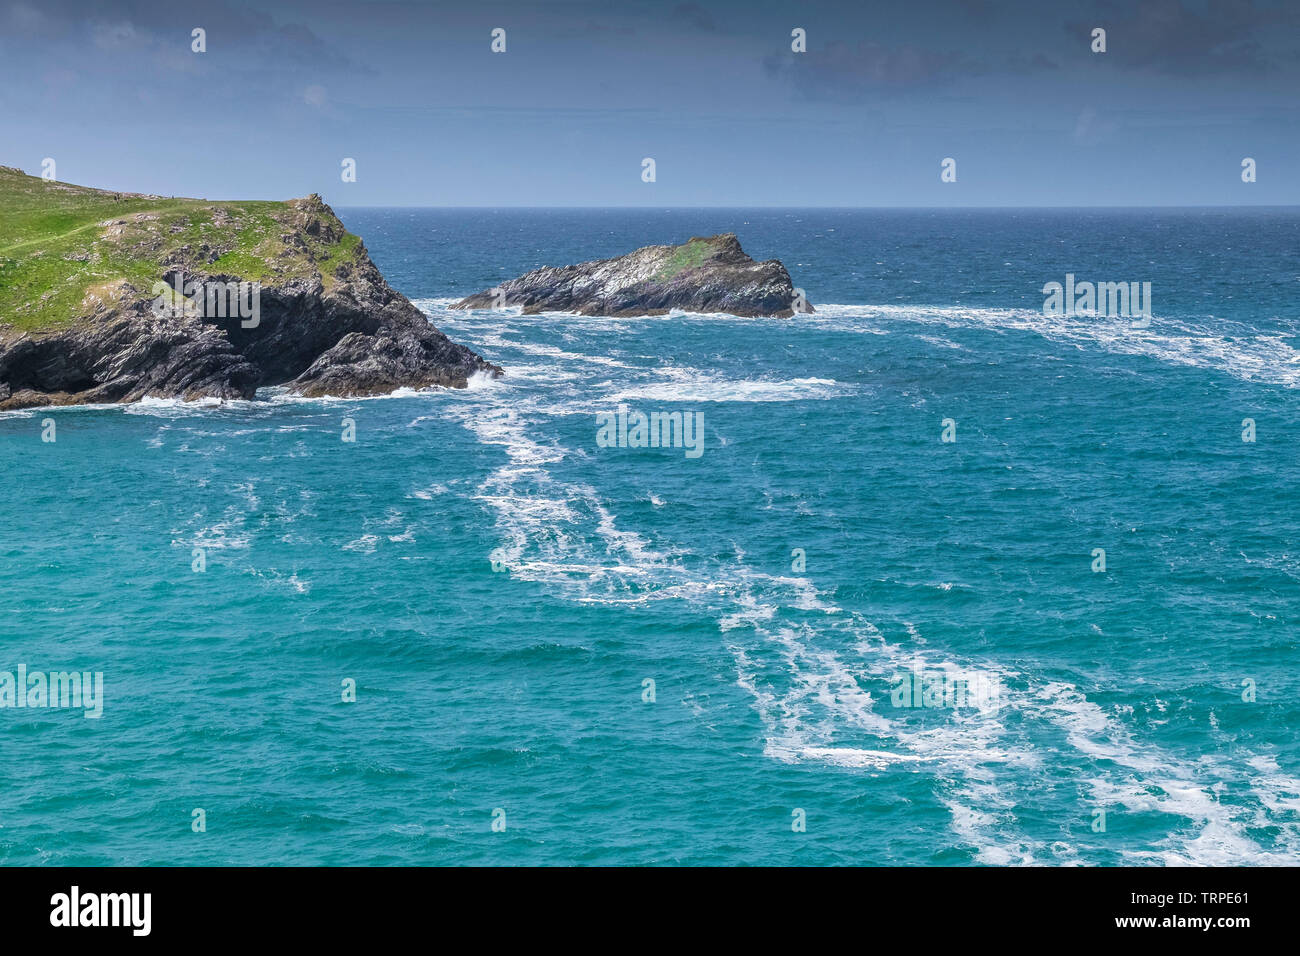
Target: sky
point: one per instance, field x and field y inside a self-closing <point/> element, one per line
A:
<point x="711" y="91"/>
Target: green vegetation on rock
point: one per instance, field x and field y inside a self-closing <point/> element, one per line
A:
<point x="67" y="250"/>
<point x="688" y="256"/>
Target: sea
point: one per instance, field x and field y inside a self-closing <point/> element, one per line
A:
<point x="949" y="579"/>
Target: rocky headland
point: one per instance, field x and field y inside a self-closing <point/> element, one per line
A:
<point x="80" y="320"/>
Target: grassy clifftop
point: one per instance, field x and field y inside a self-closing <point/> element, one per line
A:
<point x="67" y="250"/>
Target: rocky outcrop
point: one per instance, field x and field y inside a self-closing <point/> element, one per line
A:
<point x="327" y="322"/>
<point x="705" y="274"/>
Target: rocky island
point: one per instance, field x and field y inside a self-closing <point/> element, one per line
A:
<point x="704" y="274"/>
<point x="81" y="322"/>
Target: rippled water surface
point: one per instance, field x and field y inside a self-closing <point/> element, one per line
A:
<point x="773" y="589"/>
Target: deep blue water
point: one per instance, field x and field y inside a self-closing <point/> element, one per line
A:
<point x="522" y="689"/>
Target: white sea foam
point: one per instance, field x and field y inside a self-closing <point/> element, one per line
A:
<point x="693" y="385"/>
<point x="1239" y="351"/>
<point x="819" y="676"/>
<point x="365" y="544"/>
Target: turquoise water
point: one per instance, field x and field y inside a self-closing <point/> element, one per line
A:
<point x="522" y="689"/>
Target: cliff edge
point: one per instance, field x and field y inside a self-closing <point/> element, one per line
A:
<point x="113" y="297"/>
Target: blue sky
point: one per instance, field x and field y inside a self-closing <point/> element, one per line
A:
<point x="711" y="91"/>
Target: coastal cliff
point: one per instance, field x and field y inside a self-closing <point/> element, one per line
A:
<point x="704" y="274"/>
<point x="80" y="316"/>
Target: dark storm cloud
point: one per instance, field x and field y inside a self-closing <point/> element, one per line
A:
<point x="588" y="88"/>
<point x="937" y="44"/>
<point x="1181" y="38"/>
<point x="139" y="25"/>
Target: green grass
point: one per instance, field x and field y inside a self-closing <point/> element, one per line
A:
<point x="688" y="256"/>
<point x="345" y="250"/>
<point x="59" y="262"/>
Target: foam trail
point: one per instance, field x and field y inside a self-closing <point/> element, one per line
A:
<point x="819" y="676"/>
<point x="1237" y="350"/>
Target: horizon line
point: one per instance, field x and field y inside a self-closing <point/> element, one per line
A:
<point x="801" y="208"/>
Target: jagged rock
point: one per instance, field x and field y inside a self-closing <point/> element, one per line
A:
<point x="328" y="323"/>
<point x="705" y="274"/>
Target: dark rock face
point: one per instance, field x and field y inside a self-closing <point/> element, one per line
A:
<point x="711" y="274"/>
<point x="123" y="357"/>
<point x="356" y="337"/>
